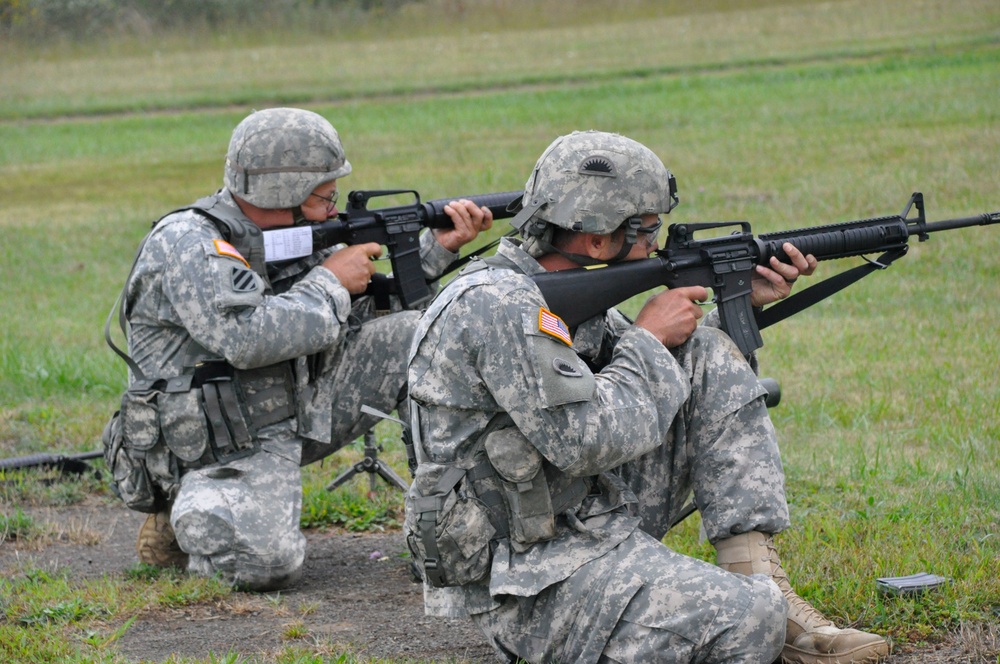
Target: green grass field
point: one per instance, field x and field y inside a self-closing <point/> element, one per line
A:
<point x="785" y="114"/>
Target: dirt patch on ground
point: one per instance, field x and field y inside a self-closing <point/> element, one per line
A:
<point x="356" y="590"/>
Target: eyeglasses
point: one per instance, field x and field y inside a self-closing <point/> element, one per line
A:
<point x="332" y="200"/>
<point x="649" y="234"/>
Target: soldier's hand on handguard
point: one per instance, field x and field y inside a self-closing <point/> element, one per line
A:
<point x="672" y="315"/>
<point x="469" y="219"/>
<point x="353" y="265"/>
<point x="775" y="283"/>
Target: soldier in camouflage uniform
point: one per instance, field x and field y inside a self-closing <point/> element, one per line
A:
<point x="266" y="365"/>
<point x="552" y="461"/>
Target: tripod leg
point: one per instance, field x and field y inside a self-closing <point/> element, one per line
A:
<point x="344" y="476"/>
<point x="390" y="476"/>
<point x="371" y="465"/>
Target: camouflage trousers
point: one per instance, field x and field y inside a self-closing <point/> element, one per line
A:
<point x="241" y="520"/>
<point x="721" y="446"/>
<point x="643" y="602"/>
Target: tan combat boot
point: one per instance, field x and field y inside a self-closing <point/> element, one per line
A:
<point x="157" y="545"/>
<point x="810" y="638"/>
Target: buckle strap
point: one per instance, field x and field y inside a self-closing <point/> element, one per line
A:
<point x="231" y="407"/>
<point x="217" y="423"/>
<point x="427" y="509"/>
<point x="229" y="437"/>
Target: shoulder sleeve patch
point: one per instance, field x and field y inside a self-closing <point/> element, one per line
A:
<point x="244" y="280"/>
<point x="226" y="249"/>
<point x="554" y="326"/>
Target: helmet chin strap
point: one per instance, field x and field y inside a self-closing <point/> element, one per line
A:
<point x="631" y="235"/>
<point x="298" y="218"/>
<point x="540" y="232"/>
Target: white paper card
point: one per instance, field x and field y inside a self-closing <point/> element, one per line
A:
<point x="287" y="243"/>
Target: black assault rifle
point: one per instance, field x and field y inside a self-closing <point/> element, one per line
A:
<point x="398" y="228"/>
<point x="725" y="264"/>
<point x="65" y="463"/>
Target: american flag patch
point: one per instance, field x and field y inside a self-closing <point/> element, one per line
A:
<point x="552" y="325"/>
<point x="226" y="249"/>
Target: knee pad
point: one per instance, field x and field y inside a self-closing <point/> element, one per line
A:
<point x="201" y="516"/>
<point x="249" y="538"/>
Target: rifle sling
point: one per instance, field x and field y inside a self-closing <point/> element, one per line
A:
<point x="824" y="289"/>
<point x="460" y="262"/>
<point x="119" y="306"/>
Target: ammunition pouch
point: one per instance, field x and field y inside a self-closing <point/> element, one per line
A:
<point x="525" y="493"/>
<point x="168" y="426"/>
<point x="505" y="490"/>
<point x="449" y="529"/>
<point x="128" y="437"/>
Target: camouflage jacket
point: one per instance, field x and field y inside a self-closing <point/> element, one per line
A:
<point x="191" y="296"/>
<point x="488" y="345"/>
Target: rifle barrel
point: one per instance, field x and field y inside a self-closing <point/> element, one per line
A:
<point x="500" y="204"/>
<point x="857" y="238"/>
<point x="853" y="238"/>
<point x="984" y="219"/>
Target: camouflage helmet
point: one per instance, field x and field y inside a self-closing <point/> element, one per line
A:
<point x="278" y="156"/>
<point x="592" y="182"/>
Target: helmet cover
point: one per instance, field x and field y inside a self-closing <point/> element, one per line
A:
<point x="278" y="156"/>
<point x="593" y="181"/>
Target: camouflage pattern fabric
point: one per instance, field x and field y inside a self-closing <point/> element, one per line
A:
<point x="626" y="179"/>
<point x="650" y="426"/>
<point x="192" y="297"/>
<point x="370" y="371"/>
<point x="241" y="520"/>
<point x="187" y="289"/>
<point x="642" y="603"/>
<point x="277" y="156"/>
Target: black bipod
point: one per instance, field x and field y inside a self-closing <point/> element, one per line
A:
<point x="372" y="465"/>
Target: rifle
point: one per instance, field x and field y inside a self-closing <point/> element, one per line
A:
<point x="66" y="463"/>
<point x="398" y="228"/>
<point x="725" y="264"/>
